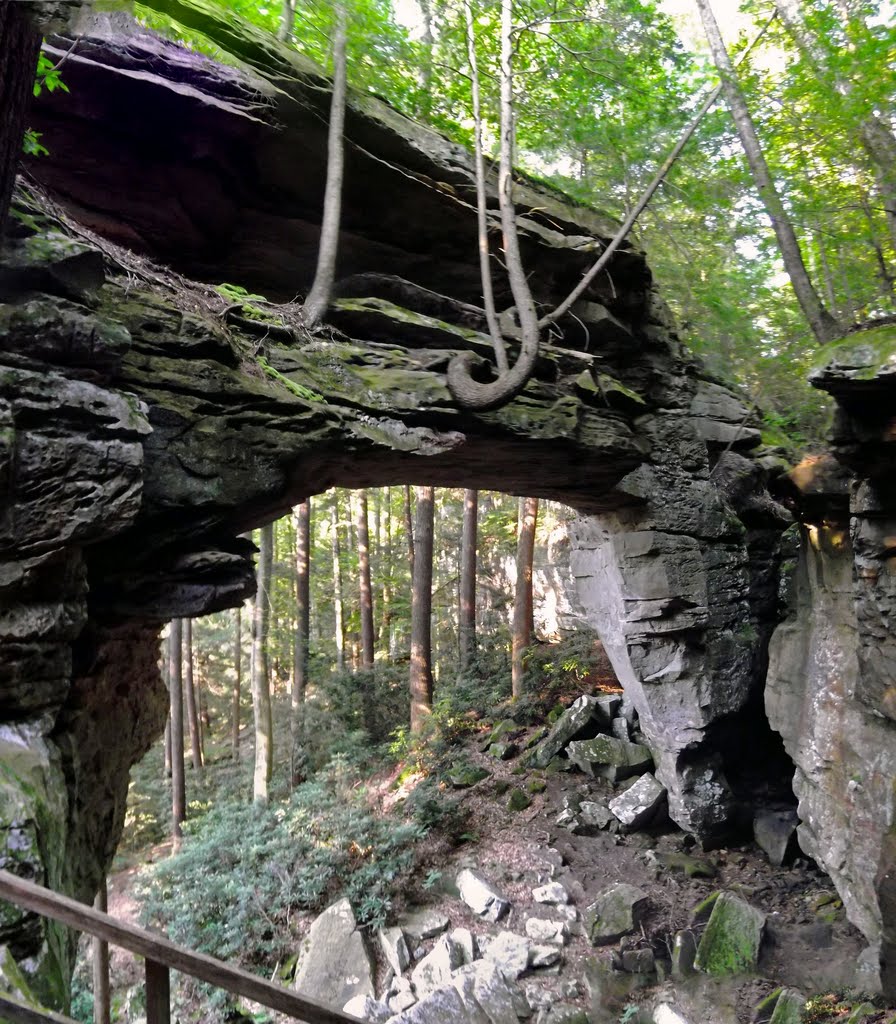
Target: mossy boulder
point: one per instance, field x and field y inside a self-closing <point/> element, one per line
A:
<point x="732" y="938"/>
<point x="518" y="800"/>
<point x="616" y="912"/>
<point x="462" y="776"/>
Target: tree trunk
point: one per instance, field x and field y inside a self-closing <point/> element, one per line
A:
<point x="466" y="622"/>
<point x="237" y="682"/>
<point x="338" y="607"/>
<point x="366" y="592"/>
<point x="523" y="625"/>
<point x="823" y="325"/>
<point x="19" y="45"/>
<point x="427" y="42"/>
<point x="287" y="21"/>
<point x="409" y="525"/>
<point x="261" y="683"/>
<point x="175" y="681"/>
<point x="318" y="298"/>
<point x="386" y="575"/>
<point x="303" y="634"/>
<point x="190" y="695"/>
<point x="421" y="611"/>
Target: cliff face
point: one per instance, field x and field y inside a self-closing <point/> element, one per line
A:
<point x="830" y="690"/>
<point x="146" y="422"/>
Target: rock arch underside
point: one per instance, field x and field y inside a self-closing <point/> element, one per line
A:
<point x="145" y="423"/>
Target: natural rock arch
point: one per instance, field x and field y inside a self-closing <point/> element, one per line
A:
<point x="147" y="423"/>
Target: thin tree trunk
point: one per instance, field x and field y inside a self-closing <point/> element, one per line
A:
<point x="303" y="634"/>
<point x="427" y="40"/>
<point x="523" y="627"/>
<point x="175" y="679"/>
<point x="823" y="325"/>
<point x="102" y="996"/>
<point x="409" y="526"/>
<point x="386" y="572"/>
<point x="466" y="625"/>
<point x="237" y="683"/>
<point x="421" y="611"/>
<point x="338" y="607"/>
<point x="364" y="586"/>
<point x="287" y="21"/>
<point x="261" y="683"/>
<point x="19" y="46"/>
<point x="318" y="298"/>
<point x="190" y="695"/>
<point x="168" y="745"/>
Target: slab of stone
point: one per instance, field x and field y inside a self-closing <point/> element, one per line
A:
<point x="444" y="1006"/>
<point x="484" y="988"/>
<point x="368" y="1009"/>
<point x="462" y="776"/>
<point x="593" y="816"/>
<point x="510" y="952"/>
<point x="501" y="732"/>
<point x="395" y="949"/>
<point x="609" y="757"/>
<point x="638" y="961"/>
<point x="553" y="892"/>
<point x="730" y="943"/>
<point x="465" y="940"/>
<point x="616" y="912"/>
<point x="667" y="1014"/>
<point x="504" y="751"/>
<point x="554" y="932"/>
<point x="563" y="1013"/>
<point x="641" y="804"/>
<point x="334" y="966"/>
<point x="619" y="728"/>
<point x="579" y="719"/>
<point x="544" y="956"/>
<point x="435" y="969"/>
<point x="684" y="952"/>
<point x="775" y="833"/>
<point x="480" y="896"/>
<point x="420" y="925"/>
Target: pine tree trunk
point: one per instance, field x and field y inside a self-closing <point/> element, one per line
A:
<point x="287" y="21"/>
<point x="366" y="592"/>
<point x="823" y="325"/>
<point x="190" y="695"/>
<point x="386" y="574"/>
<point x="261" y="682"/>
<point x="421" y="611"/>
<point x="302" y="639"/>
<point x="237" y="683"/>
<point x="409" y="525"/>
<point x="467" y="606"/>
<point x="523" y="626"/>
<point x="338" y="607"/>
<point x="175" y="681"/>
<point x="19" y="46"/>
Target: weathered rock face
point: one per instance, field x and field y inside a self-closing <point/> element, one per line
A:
<point x="833" y="662"/>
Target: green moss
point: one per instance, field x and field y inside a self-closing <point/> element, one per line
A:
<point x="299" y="390"/>
<point x="730" y="943"/>
<point x="518" y="801"/>
<point x="536" y="785"/>
<point x="866" y="353"/>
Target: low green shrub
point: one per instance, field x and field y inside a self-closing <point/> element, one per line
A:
<point x="245" y="869"/>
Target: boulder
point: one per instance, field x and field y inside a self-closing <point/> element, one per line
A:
<point x="420" y="925"/>
<point x="616" y="912"/>
<point x="783" y="1006"/>
<point x="368" y="1009"/>
<point x="544" y="956"/>
<point x="465" y="940"/>
<point x="435" y="969"/>
<point x="609" y="757"/>
<point x="444" y="1006"/>
<point x="510" y="952"/>
<point x="684" y="952"/>
<point x="395" y="949"/>
<point x="775" y="834"/>
<point x="553" y="893"/>
<point x="638" y="961"/>
<point x="562" y="1013"/>
<point x="541" y="930"/>
<point x="462" y="776"/>
<point x="334" y="966"/>
<point x="730" y="943"/>
<point x="484" y="988"/>
<point x="641" y="804"/>
<point x="480" y="896"/>
<point x="581" y="718"/>
<point x="518" y="800"/>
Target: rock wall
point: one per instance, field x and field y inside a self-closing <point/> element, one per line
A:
<point x="832" y="672"/>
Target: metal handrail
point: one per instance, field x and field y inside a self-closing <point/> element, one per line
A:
<point x="161" y="956"/>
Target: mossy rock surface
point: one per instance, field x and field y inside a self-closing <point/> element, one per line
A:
<point x="518" y="800"/>
<point x="730" y="944"/>
<point x="462" y="776"/>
